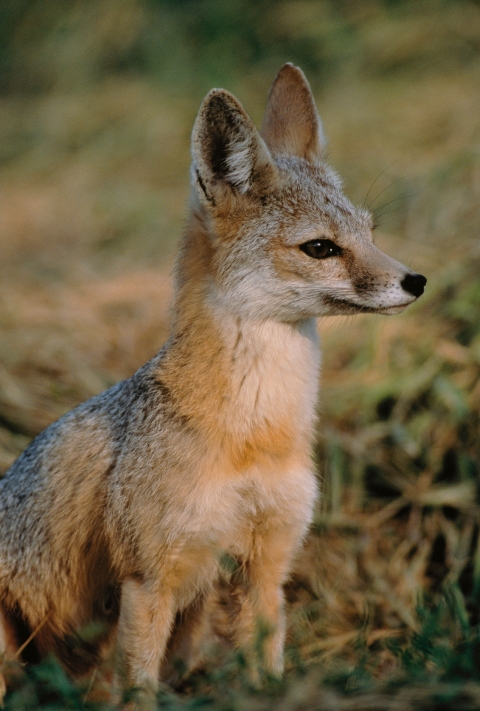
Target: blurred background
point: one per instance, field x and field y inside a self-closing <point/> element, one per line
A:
<point x="97" y="101"/>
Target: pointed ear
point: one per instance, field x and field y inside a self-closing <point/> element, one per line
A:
<point x="228" y="152"/>
<point x="291" y="125"/>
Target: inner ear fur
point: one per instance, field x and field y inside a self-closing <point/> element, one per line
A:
<point x="291" y="125"/>
<point x="228" y="151"/>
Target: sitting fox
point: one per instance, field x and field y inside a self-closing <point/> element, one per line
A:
<point x="118" y="514"/>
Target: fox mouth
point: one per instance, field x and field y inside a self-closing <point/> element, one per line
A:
<point x="398" y="308"/>
<point x="346" y="306"/>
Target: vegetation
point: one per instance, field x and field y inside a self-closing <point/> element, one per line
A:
<point x="97" y="99"/>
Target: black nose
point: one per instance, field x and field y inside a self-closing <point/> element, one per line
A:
<point x="414" y="284"/>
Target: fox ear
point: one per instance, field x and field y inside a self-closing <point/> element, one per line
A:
<point x="227" y="150"/>
<point x="291" y="125"/>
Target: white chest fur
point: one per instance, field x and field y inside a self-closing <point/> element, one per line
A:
<point x="274" y="373"/>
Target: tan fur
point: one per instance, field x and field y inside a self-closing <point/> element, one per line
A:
<point x="120" y="513"/>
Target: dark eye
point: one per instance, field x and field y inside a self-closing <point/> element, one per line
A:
<point x="321" y="248"/>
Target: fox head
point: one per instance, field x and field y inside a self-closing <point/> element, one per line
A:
<point x="281" y="239"/>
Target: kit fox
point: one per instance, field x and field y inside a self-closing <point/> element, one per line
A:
<point x="118" y="514"/>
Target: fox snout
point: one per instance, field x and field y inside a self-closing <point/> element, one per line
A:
<point x="414" y="284"/>
<point x="381" y="284"/>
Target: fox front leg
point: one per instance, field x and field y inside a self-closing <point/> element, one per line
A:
<point x="147" y="614"/>
<point x="260" y="624"/>
<point x="260" y="629"/>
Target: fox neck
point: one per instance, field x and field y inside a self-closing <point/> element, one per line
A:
<point x="250" y="386"/>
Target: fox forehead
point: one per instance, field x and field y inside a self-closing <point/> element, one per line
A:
<point x="309" y="204"/>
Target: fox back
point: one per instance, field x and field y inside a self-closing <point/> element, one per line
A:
<point x="120" y="513"/>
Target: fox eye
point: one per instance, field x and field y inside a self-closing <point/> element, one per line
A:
<point x="321" y="248"/>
